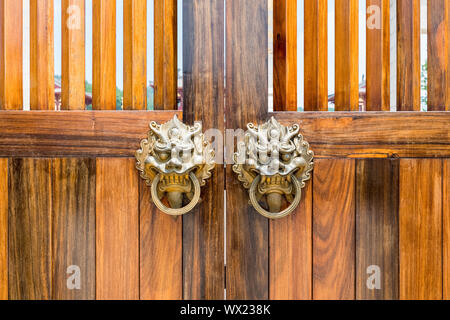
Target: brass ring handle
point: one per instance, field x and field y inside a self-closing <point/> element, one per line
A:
<point x="276" y="215"/>
<point x="180" y="211"/>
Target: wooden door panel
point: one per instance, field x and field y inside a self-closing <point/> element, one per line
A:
<point x="446" y="228"/>
<point x="4" y="229"/>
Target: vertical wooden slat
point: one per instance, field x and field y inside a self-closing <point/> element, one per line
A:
<point x="135" y="55"/>
<point x="420" y="224"/>
<point x="203" y="69"/>
<point x="117" y="229"/>
<point x="73" y="227"/>
<point x="446" y="227"/>
<point x="161" y="265"/>
<point x="285" y="55"/>
<point x="377" y="229"/>
<point x="73" y="55"/>
<point x="346" y="70"/>
<point x="408" y="55"/>
<point x="247" y="101"/>
<point x="438" y="55"/>
<point x="166" y="73"/>
<point x="378" y="55"/>
<point x="334" y="229"/>
<point x="290" y="253"/>
<point x="11" y="53"/>
<point x="316" y="55"/>
<point x="3" y="229"/>
<point x="30" y="202"/>
<point x="104" y="55"/>
<point x="42" y="76"/>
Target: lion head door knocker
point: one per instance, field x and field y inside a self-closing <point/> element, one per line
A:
<point x="175" y="160"/>
<point x="273" y="162"/>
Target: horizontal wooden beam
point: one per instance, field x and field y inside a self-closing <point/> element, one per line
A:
<point x="118" y="133"/>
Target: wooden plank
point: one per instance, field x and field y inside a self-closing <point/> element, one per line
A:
<point x="30" y="206"/>
<point x="203" y="69"/>
<point x="285" y="55"/>
<point x="438" y="55"/>
<point x="11" y="55"/>
<point x="104" y="55"/>
<point x="161" y="261"/>
<point x="166" y="73"/>
<point x="73" y="228"/>
<point x="135" y="55"/>
<point x="42" y="56"/>
<point x="378" y="55"/>
<point x="408" y="55"/>
<point x="420" y="224"/>
<point x="377" y="229"/>
<point x="246" y="101"/>
<point x="334" y="229"/>
<point x="290" y="253"/>
<point x="346" y="55"/>
<point x="117" y="229"/>
<point x="3" y="229"/>
<point x="316" y="55"/>
<point x="73" y="55"/>
<point x="446" y="228"/>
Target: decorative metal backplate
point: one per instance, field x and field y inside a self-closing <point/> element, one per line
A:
<point x="273" y="162"/>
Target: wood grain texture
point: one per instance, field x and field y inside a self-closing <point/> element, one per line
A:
<point x="203" y="70"/>
<point x="377" y="228"/>
<point x="104" y="55"/>
<point x="420" y="223"/>
<point x="135" y="55"/>
<point x="165" y="64"/>
<point x="446" y="228"/>
<point x="117" y="229"/>
<point x="30" y="207"/>
<point x="11" y="55"/>
<point x="73" y="55"/>
<point x="73" y="227"/>
<point x="42" y="56"/>
<point x="290" y="253"/>
<point x="378" y="55"/>
<point x="346" y="55"/>
<point x="316" y="55"/>
<point x="438" y="55"/>
<point x="161" y="261"/>
<point x="3" y="229"/>
<point x="285" y="55"/>
<point x="408" y="55"/>
<point x="246" y="101"/>
<point x="334" y="229"/>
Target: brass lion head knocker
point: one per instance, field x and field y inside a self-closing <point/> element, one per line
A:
<point x="175" y="160"/>
<point x="273" y="162"/>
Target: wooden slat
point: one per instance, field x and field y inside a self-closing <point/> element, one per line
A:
<point x="42" y="76"/>
<point x="161" y="271"/>
<point x="165" y="96"/>
<point x="334" y="229"/>
<point x="73" y="55"/>
<point x="3" y="229"/>
<point x="446" y="228"/>
<point x="378" y="55"/>
<point x="377" y="228"/>
<point x="290" y="253"/>
<point x="438" y="55"/>
<point x="73" y="227"/>
<point x="246" y="83"/>
<point x="30" y="200"/>
<point x="135" y="55"/>
<point x="117" y="229"/>
<point x="203" y="69"/>
<point x="346" y="70"/>
<point x="285" y="55"/>
<point x="316" y="55"/>
<point x="104" y="55"/>
<point x="420" y="224"/>
<point x="408" y="55"/>
<point x="11" y="53"/>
